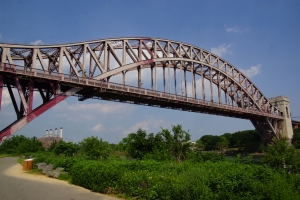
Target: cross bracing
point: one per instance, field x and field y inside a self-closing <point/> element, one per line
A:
<point x="165" y="73"/>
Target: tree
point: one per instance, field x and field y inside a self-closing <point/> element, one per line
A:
<point x="281" y="153"/>
<point x="52" y="146"/>
<point x="30" y="146"/>
<point x="95" y="148"/>
<point x="11" y="144"/>
<point x="248" y="140"/>
<point x="200" y="145"/>
<point x="227" y="136"/>
<point x="160" y="146"/>
<point x="210" y="141"/>
<point x="222" y="143"/>
<point x="296" y="138"/>
<point x="19" y="144"/>
<point x="137" y="144"/>
<point x="178" y="143"/>
<point x="65" y="148"/>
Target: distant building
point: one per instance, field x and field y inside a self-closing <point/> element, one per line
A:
<point x="49" y="139"/>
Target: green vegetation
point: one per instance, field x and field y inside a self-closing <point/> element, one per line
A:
<point x="94" y="148"/>
<point x="165" y="145"/>
<point x="296" y="138"/>
<point x="166" y="165"/>
<point x="4" y="155"/>
<point x="19" y="144"/>
<point x="245" y="141"/>
<point x="282" y="155"/>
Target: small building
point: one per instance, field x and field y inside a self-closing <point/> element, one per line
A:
<point x="49" y="139"/>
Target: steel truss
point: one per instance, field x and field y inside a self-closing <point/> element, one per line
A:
<point x="194" y="71"/>
<point x="25" y="112"/>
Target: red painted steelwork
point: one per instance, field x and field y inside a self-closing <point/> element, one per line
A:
<point x="22" y="97"/>
<point x="30" y="99"/>
<point x="53" y="88"/>
<point x="18" y="124"/>
<point x="1" y="89"/>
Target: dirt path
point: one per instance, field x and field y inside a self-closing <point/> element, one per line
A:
<point x="16" y="184"/>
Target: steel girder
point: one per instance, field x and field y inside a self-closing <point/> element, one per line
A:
<point x="104" y="59"/>
<point x="25" y="112"/>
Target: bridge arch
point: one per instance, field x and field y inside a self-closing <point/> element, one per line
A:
<point x="105" y="59"/>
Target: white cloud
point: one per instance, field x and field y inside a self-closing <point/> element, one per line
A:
<point x="235" y="29"/>
<point x="5" y="98"/>
<point x="83" y="111"/>
<point x="253" y="71"/>
<point x="104" y="108"/>
<point x="37" y="42"/>
<point x="200" y="131"/>
<point x="221" y="50"/>
<point x="98" y="128"/>
<point x="148" y="125"/>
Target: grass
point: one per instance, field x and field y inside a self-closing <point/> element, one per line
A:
<point x="20" y="160"/>
<point x="4" y="155"/>
<point x="35" y="172"/>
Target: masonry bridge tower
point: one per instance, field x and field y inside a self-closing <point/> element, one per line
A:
<point x="283" y="103"/>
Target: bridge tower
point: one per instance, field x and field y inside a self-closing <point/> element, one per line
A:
<point x="283" y="103"/>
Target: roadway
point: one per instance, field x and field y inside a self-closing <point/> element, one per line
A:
<point x="16" y="184"/>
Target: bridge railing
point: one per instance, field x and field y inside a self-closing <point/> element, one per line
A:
<point x="114" y="86"/>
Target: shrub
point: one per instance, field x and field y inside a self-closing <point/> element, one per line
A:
<point x="186" y="180"/>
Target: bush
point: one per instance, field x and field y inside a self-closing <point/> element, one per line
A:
<point x="186" y="180"/>
<point x="282" y="155"/>
<point x="198" y="156"/>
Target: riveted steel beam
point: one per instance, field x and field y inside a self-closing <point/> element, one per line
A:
<point x="19" y="123"/>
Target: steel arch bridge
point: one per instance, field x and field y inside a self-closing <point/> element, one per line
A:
<point x="148" y="71"/>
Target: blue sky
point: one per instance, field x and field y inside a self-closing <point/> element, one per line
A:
<point x="261" y="38"/>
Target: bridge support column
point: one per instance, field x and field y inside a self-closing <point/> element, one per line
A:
<point x="1" y="89"/>
<point x="283" y="103"/>
<point x="32" y="114"/>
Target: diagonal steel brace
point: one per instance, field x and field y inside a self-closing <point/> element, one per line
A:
<point x="18" y="124"/>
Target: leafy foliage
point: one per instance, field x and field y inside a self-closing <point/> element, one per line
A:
<point x="172" y="180"/>
<point x="296" y="138"/>
<point x="248" y="141"/>
<point x="19" y="144"/>
<point x="163" y="145"/>
<point x="138" y="144"/>
<point x="210" y="141"/>
<point x="155" y="172"/>
<point x="65" y="148"/>
<point x="281" y="154"/>
<point x="222" y="143"/>
<point x="95" y="148"/>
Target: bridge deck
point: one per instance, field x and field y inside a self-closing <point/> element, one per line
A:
<point x="122" y="93"/>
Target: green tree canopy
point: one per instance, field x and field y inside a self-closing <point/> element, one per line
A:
<point x="165" y="144"/>
<point x="296" y="138"/>
<point x="200" y="145"/>
<point x="177" y="143"/>
<point x="248" y="140"/>
<point x="281" y="153"/>
<point x="94" y="148"/>
<point x="210" y="141"/>
<point x="222" y="143"/>
<point x="19" y="144"/>
<point x="65" y="148"/>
